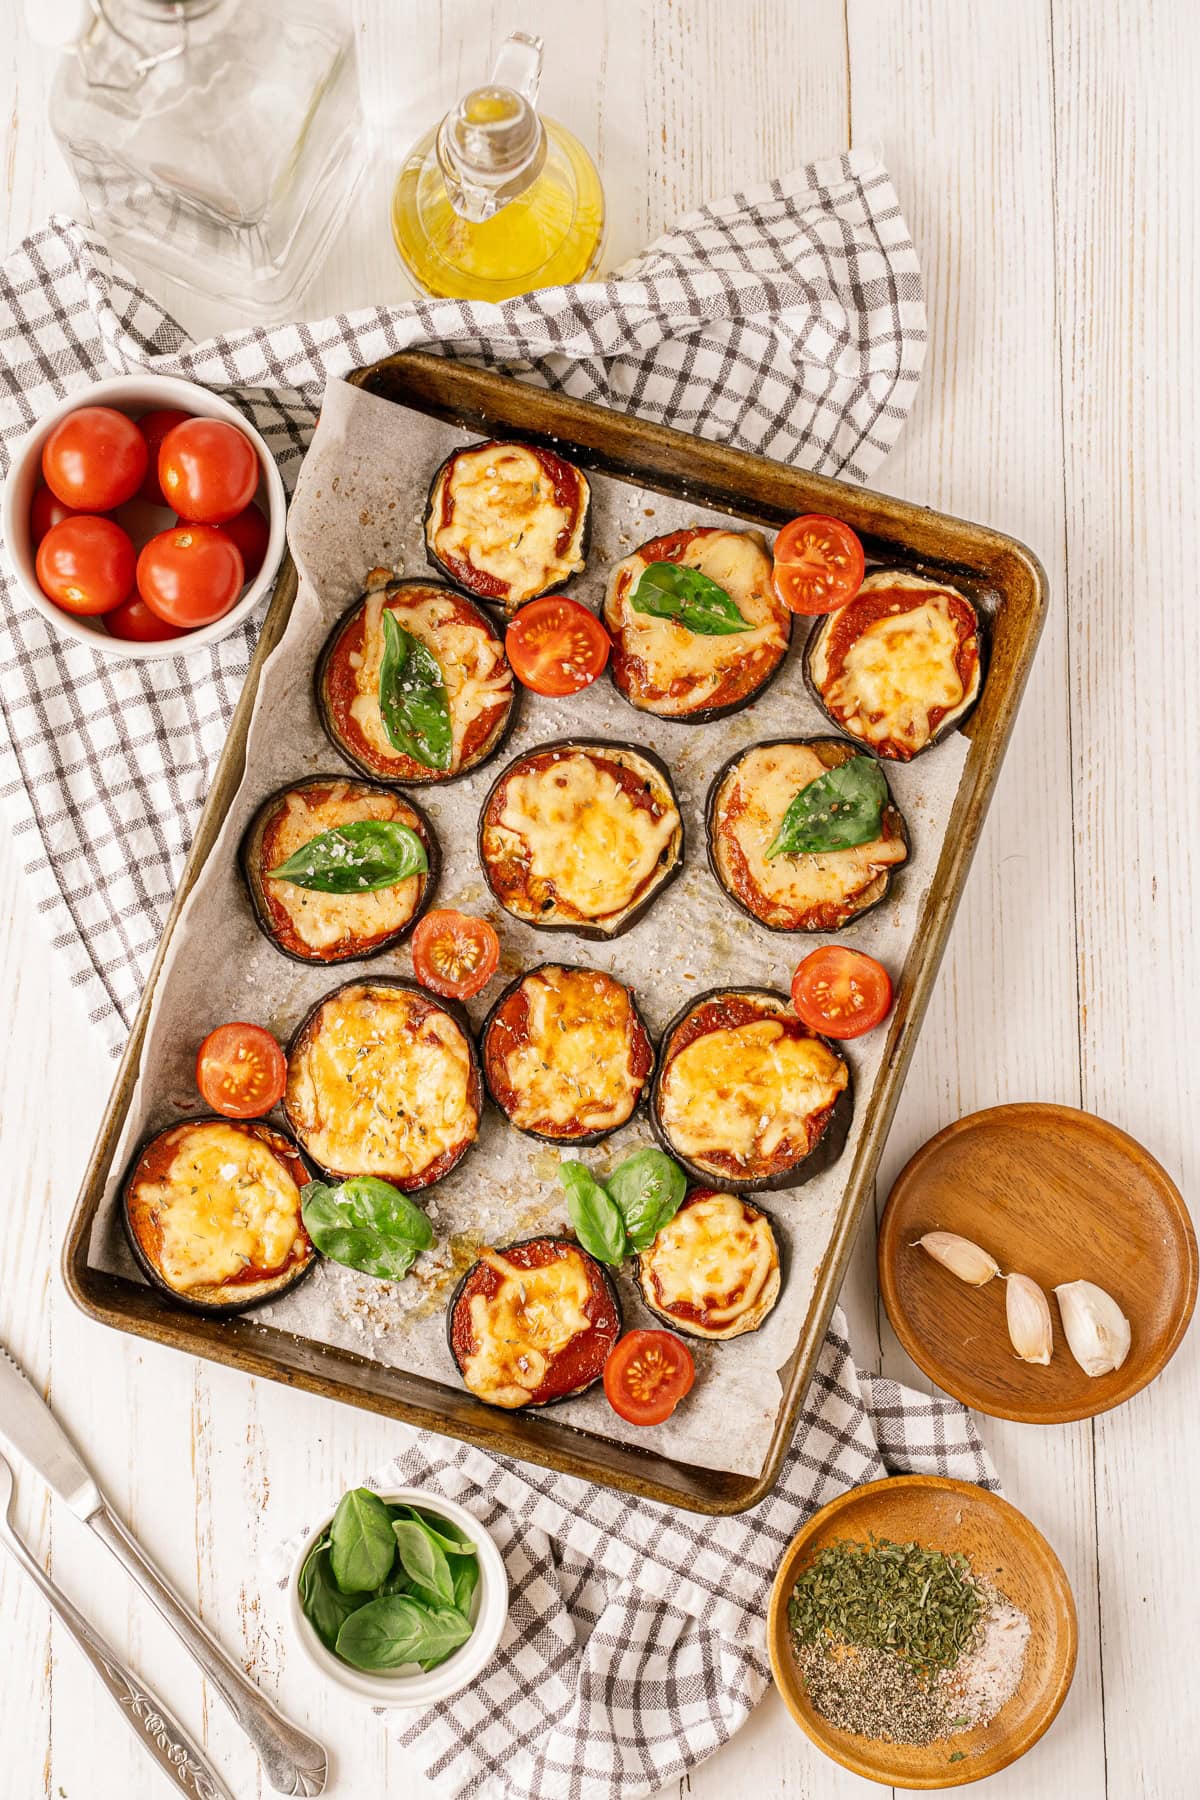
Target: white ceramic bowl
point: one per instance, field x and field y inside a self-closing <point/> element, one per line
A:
<point x="489" y="1611"/>
<point x="136" y="394"/>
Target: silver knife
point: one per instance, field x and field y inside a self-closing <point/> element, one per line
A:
<point x="294" y="1762"/>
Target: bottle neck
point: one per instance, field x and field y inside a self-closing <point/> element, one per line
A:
<point x="490" y="148"/>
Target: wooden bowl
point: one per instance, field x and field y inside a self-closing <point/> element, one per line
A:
<point x="1002" y="1544"/>
<point x="1058" y="1195"/>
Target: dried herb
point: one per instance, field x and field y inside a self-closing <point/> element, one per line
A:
<point x="920" y="1604"/>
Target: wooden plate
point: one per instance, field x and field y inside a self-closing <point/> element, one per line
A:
<point x="1001" y="1544"/>
<point x="1058" y="1195"/>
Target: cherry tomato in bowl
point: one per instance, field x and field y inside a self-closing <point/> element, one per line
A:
<point x="208" y="471"/>
<point x="819" y="564"/>
<point x="45" y="512"/>
<point x="86" y="564"/>
<point x="190" y="575"/>
<point x="154" y="427"/>
<point x="134" y="623"/>
<point x="94" y="459"/>
<point x="251" y="533"/>
<point x="454" y="954"/>
<point x="646" y="1376"/>
<point x="841" y="993"/>
<point x="241" y="1071"/>
<point x="556" y="646"/>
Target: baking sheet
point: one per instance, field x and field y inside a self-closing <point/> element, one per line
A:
<point x="360" y="504"/>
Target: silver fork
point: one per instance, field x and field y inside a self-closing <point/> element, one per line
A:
<point x="181" y="1760"/>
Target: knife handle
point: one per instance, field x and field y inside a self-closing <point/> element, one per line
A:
<point x="180" y="1759"/>
<point x="294" y="1762"/>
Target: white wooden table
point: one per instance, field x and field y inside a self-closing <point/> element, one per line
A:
<point x="1047" y="154"/>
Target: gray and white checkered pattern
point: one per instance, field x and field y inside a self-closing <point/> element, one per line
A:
<point x="787" y="320"/>
<point x="636" y="1640"/>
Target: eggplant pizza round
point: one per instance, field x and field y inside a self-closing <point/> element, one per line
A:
<point x="679" y="649"/>
<point x="533" y="1323"/>
<point x="338" y="901"/>
<point x="581" y="836"/>
<point x="565" y="1054"/>
<point x="508" y="522"/>
<point x="413" y="684"/>
<point x="383" y="1080"/>
<point x="900" y="665"/>
<point x="747" y="1095"/>
<point x="211" y="1208"/>
<point x="712" y="1271"/>
<point x="811" y="891"/>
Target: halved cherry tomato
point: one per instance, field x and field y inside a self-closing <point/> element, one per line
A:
<point x="556" y="646"/>
<point x="208" y="470"/>
<point x="841" y="993"/>
<point x="818" y="564"/>
<point x="134" y="621"/>
<point x="154" y="427"/>
<point x="190" y="575"/>
<point x="241" y="1071"/>
<point x="94" y="459"/>
<point x="647" y="1374"/>
<point x="454" y="954"/>
<point x="86" y="565"/>
<point x="46" y="511"/>
<point x="251" y="533"/>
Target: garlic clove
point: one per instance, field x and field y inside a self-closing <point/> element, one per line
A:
<point x="1029" y="1325"/>
<point x="1097" y="1330"/>
<point x="960" y="1256"/>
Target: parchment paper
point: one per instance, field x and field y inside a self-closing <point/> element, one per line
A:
<point x="359" y="504"/>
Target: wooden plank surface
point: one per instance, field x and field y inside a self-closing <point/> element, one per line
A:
<point x="1046" y="155"/>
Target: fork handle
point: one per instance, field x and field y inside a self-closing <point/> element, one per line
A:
<point x="295" y="1763"/>
<point x="181" y="1760"/>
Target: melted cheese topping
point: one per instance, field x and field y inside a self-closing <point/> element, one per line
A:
<point x="471" y="660"/>
<point x="712" y="1257"/>
<point x="765" y="783"/>
<point x="370" y="1093"/>
<point x="531" y="1319"/>
<point x="738" y="562"/>
<point x="581" y="831"/>
<point x="226" y="1204"/>
<point x="746" y="1089"/>
<point x="900" y="669"/>
<point x="322" y="920"/>
<point x="575" y="1070"/>
<point x="504" y="520"/>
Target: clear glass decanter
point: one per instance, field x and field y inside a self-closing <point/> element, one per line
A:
<point x="217" y="139"/>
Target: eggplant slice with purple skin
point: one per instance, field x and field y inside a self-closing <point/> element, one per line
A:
<point x="496" y="1319"/>
<point x="734" y="1066"/>
<point x="359" y="1069"/>
<point x="566" y="1055"/>
<point x="661" y="667"/>
<point x="482" y="693"/>
<point x="899" y="666"/>
<point x="206" y="1197"/>
<point x="313" y="927"/>
<point x="824" y="892"/>
<point x="508" y="522"/>
<point x="545" y="861"/>
<point x="714" y="1270"/>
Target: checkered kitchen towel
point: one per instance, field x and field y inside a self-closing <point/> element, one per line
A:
<point x="787" y="320"/>
<point x="636" y="1641"/>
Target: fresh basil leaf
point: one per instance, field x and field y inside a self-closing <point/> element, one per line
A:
<point x="439" y="1529"/>
<point x="412" y="697"/>
<point x="321" y="1599"/>
<point x="839" y="809"/>
<point x="594" y="1214"/>
<point x="466" y="1579"/>
<point x="386" y="1633"/>
<point x="667" y="590"/>
<point x="648" y="1189"/>
<point x="366" y="1224"/>
<point x="396" y="1583"/>
<point x="424" y="1560"/>
<point x="361" y="1546"/>
<point x="358" y="858"/>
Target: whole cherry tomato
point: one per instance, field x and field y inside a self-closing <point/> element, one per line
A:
<point x="251" y="533"/>
<point x="94" y="459"/>
<point x="190" y="575"/>
<point x="86" y="564"/>
<point x="208" y="470"/>
<point x="134" y="621"/>
<point x="46" y="511"/>
<point x="154" y="427"/>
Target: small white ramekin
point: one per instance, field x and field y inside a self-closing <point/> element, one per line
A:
<point x="136" y="394"/>
<point x="489" y="1613"/>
